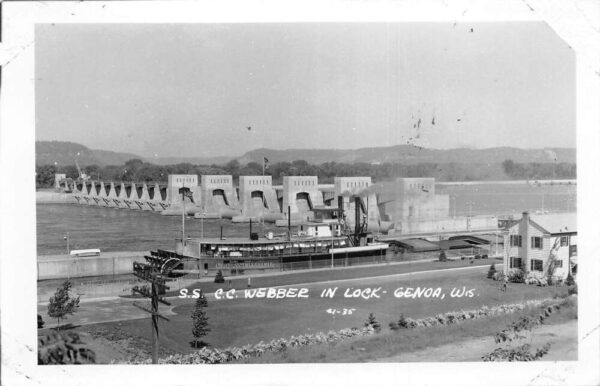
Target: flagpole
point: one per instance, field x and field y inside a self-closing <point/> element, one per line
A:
<point x="263" y="166"/>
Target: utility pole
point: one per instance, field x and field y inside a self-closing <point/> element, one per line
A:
<point x="543" y="195"/>
<point x="454" y="207"/>
<point x="470" y="203"/>
<point x="332" y="248"/>
<point x="68" y="238"/>
<point x="183" y="219"/>
<point x="155" y="273"/>
<point x="202" y="224"/>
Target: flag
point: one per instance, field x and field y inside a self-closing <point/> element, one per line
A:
<point x="265" y="163"/>
<point x="187" y="193"/>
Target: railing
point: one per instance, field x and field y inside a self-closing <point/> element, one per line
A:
<point x="337" y="262"/>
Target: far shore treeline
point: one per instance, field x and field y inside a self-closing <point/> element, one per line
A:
<point x="136" y="170"/>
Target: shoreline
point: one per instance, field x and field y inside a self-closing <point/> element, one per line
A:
<point x="53" y="197"/>
<point x="511" y="182"/>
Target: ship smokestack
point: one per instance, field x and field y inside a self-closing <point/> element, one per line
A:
<point x="356" y="215"/>
<point x="289" y="222"/>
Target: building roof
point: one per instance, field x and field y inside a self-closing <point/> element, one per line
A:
<point x="454" y="244"/>
<point x="556" y="223"/>
<point x="419" y="245"/>
<point x="477" y="240"/>
<point x="492" y="239"/>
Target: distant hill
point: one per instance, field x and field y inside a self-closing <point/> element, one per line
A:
<point x="217" y="160"/>
<point x="410" y="155"/>
<point x="48" y="152"/>
<point x="64" y="153"/>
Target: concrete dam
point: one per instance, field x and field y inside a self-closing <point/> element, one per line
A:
<point x="405" y="206"/>
<point x="215" y="196"/>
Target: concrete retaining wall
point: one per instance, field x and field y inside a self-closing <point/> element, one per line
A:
<point x="104" y="287"/>
<point x="62" y="266"/>
<point x="458" y="224"/>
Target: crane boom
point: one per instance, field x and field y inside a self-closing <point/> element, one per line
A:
<point x="82" y="175"/>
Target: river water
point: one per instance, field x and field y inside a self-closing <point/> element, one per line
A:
<point x="127" y="230"/>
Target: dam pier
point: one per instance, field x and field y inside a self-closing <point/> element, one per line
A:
<point x="401" y="207"/>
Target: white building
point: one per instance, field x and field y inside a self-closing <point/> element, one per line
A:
<point x="540" y="243"/>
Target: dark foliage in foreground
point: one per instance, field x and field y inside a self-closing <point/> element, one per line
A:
<point x="59" y="348"/>
<point x="521" y="353"/>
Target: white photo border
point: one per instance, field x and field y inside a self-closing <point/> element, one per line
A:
<point x="572" y="20"/>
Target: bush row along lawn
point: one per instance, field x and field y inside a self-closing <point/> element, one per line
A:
<point x="390" y="343"/>
<point x="244" y="321"/>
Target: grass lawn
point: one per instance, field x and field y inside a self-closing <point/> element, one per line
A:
<point x="390" y="345"/>
<point x="247" y="321"/>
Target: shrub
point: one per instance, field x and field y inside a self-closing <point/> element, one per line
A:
<point x="499" y="276"/>
<point x="207" y="355"/>
<point x="200" y="322"/>
<point x="460" y="316"/>
<point x="572" y="290"/>
<point x="219" y="277"/>
<point x="371" y="321"/>
<point x="521" y="353"/>
<point x="62" y="303"/>
<point x="402" y="322"/>
<point x="516" y="276"/>
<point x="443" y="256"/>
<point x="491" y="271"/>
<point x="534" y="278"/>
<point x="570" y="280"/>
<point x="57" y="348"/>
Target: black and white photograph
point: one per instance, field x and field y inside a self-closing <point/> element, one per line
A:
<point x="266" y="192"/>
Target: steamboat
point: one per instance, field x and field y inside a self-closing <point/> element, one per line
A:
<point x="326" y="239"/>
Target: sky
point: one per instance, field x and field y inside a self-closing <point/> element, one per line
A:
<point x="224" y="89"/>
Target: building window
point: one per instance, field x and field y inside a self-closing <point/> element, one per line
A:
<point x="515" y="262"/>
<point x="537" y="265"/>
<point x="516" y="240"/>
<point x="572" y="250"/>
<point x="558" y="263"/>
<point x="564" y="241"/>
<point x="537" y="242"/>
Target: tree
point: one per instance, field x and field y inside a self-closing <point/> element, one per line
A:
<point x="371" y="321"/>
<point x="443" y="256"/>
<point x="134" y="163"/>
<point x="62" y="303"/>
<point x="232" y="167"/>
<point x="570" y="280"/>
<point x="93" y="171"/>
<point x="200" y="327"/>
<point x="491" y="271"/>
<point x="44" y="176"/>
<point x="70" y="170"/>
<point x="219" y="277"/>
